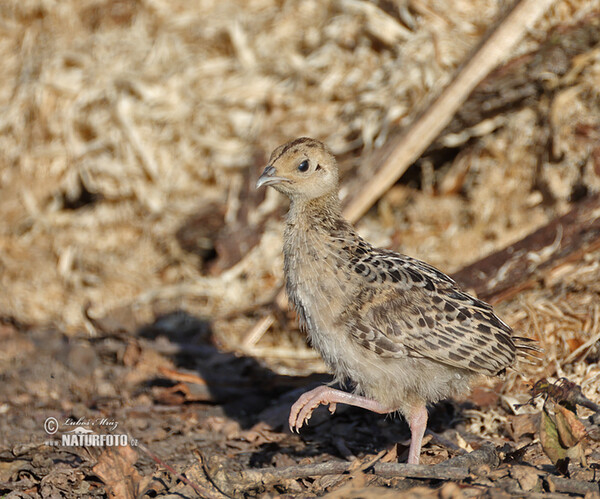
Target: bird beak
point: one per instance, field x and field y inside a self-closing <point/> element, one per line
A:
<point x="268" y="177"/>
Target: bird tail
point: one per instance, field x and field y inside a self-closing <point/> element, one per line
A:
<point x="528" y="350"/>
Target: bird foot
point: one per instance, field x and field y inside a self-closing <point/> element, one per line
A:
<point x="303" y="408"/>
<point x="324" y="395"/>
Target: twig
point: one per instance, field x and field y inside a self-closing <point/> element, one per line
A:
<point x="437" y="472"/>
<point x="257" y="331"/>
<point x="570" y="486"/>
<point x="427" y="127"/>
<point x="486" y="455"/>
<point x="457" y="468"/>
<point x="252" y="478"/>
<point x="207" y="474"/>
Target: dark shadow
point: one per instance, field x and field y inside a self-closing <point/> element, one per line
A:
<point x="80" y="198"/>
<point x="243" y="387"/>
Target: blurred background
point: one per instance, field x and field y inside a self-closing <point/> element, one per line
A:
<point x="132" y="133"/>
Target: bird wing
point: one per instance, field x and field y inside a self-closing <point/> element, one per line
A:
<point x="413" y="309"/>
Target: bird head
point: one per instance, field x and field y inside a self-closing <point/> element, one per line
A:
<point x="302" y="169"/>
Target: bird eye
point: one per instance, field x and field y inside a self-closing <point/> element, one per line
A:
<point x="303" y="167"/>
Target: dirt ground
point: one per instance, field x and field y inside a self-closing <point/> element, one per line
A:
<point x="140" y="270"/>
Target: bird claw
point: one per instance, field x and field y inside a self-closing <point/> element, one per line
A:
<point x="303" y="408"/>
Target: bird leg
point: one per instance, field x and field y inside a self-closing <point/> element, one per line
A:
<point x="417" y="420"/>
<point x="324" y="395"/>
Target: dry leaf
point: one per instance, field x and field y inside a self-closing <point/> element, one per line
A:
<point x="527" y="477"/>
<point x="574" y="344"/>
<point x="115" y="468"/>
<point x="561" y="436"/>
<point x="524" y="424"/>
<point x="182" y="393"/>
<point x="484" y="397"/>
<point x="572" y="433"/>
<point x="261" y="433"/>
<point x="549" y="439"/>
<point x="11" y="469"/>
<point x="570" y="429"/>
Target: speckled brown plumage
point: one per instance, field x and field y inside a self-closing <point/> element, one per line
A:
<point x="398" y="329"/>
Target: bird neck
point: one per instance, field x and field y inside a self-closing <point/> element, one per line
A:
<point x="321" y="212"/>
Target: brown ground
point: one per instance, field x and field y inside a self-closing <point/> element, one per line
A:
<point x="137" y="262"/>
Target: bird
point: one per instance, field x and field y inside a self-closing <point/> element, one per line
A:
<point x="398" y="330"/>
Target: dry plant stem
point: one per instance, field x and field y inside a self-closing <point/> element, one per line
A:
<point x="427" y="127"/>
<point x="583" y="348"/>
<point x="454" y="469"/>
<point x="257" y="332"/>
<point x="122" y="113"/>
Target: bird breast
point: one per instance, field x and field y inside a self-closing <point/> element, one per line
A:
<point x="316" y="286"/>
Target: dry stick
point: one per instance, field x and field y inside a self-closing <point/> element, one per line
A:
<point x="457" y="468"/>
<point x="485" y="455"/>
<point x="257" y="332"/>
<point x="570" y="486"/>
<point x="492" y="50"/>
<point x="248" y="479"/>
